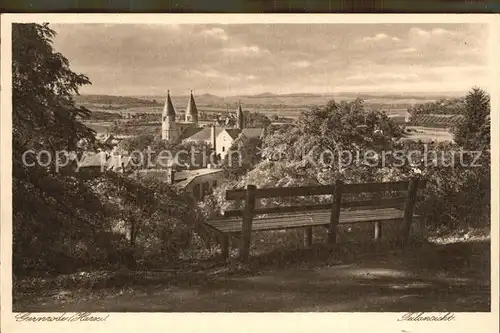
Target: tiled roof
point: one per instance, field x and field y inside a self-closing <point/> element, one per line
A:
<point x="233" y="132"/>
<point x="253" y="132"/>
<point x="189" y="132"/>
<point x="205" y="134"/>
<point x="116" y="161"/>
<point x="189" y="175"/>
<point x="91" y="159"/>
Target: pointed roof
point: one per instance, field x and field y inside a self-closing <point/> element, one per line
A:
<point x="240" y="110"/>
<point x="191" y="107"/>
<point x="239" y="116"/>
<point x="168" y="109"/>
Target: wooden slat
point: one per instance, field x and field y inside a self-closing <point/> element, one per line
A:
<point x="277" y="210"/>
<point x="282" y="192"/>
<point x="378" y="203"/>
<point x="375" y="187"/>
<point x="309" y="219"/>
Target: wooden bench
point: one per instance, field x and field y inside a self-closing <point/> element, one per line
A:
<point x="385" y="208"/>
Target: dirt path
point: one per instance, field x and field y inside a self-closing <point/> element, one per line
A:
<point x="423" y="282"/>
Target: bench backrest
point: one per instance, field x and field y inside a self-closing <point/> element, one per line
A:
<point x="337" y="190"/>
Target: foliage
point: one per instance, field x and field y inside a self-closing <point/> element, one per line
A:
<point x="474" y="131"/>
<point x="248" y="155"/>
<point x="49" y="209"/>
<point x="152" y="216"/>
<point x="104" y="116"/>
<point x="322" y="140"/>
<point x="256" y="119"/>
<point x="455" y="197"/>
<point x="65" y="221"/>
<point x="443" y="106"/>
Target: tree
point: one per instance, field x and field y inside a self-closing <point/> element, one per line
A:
<point x="151" y="215"/>
<point x="256" y="119"/>
<point x="51" y="210"/>
<point x="473" y="132"/>
<point x="323" y="139"/>
<point x="248" y="155"/>
<point x="63" y="221"/>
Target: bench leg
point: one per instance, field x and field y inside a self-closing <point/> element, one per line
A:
<point x="377" y="234"/>
<point x="225" y="246"/>
<point x="308" y="236"/>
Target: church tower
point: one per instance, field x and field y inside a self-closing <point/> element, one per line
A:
<point x="168" y="126"/>
<point x="192" y="111"/>
<point x="240" y="121"/>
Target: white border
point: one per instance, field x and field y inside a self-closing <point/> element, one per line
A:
<point x="234" y="322"/>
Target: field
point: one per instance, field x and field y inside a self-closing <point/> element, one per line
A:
<point x="429" y="134"/>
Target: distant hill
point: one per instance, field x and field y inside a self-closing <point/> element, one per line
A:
<point x="283" y="105"/>
<point x="113" y="100"/>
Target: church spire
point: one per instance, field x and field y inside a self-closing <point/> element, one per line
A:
<point x="239" y="117"/>
<point x="191" y="110"/>
<point x="168" y="108"/>
<point x="168" y="126"/>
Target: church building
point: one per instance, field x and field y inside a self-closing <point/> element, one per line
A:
<point x="189" y="130"/>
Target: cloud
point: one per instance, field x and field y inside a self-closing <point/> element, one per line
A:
<point x="407" y="50"/>
<point x="301" y="64"/>
<point x="212" y="74"/>
<point x="383" y="76"/>
<point x="263" y="57"/>
<point x="379" y="37"/>
<point x="217" y="33"/>
<point x="422" y="36"/>
<point x="244" y="50"/>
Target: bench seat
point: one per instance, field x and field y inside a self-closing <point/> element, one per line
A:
<point x="307" y="219"/>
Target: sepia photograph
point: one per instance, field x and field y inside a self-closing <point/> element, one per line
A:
<point x="174" y="166"/>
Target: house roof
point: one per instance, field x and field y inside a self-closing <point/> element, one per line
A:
<point x="233" y="132"/>
<point x="117" y="161"/>
<point x="253" y="132"/>
<point x="91" y="159"/>
<point x="168" y="109"/>
<point x="189" y="132"/>
<point x="184" y="178"/>
<point x="203" y="134"/>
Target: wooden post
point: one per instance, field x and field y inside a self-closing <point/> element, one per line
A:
<point x="335" y="212"/>
<point x="408" y="210"/>
<point x="225" y="246"/>
<point x="308" y="236"/>
<point x="246" y="229"/>
<point x="378" y="231"/>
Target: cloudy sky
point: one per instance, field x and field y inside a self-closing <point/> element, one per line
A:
<point x="126" y="59"/>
